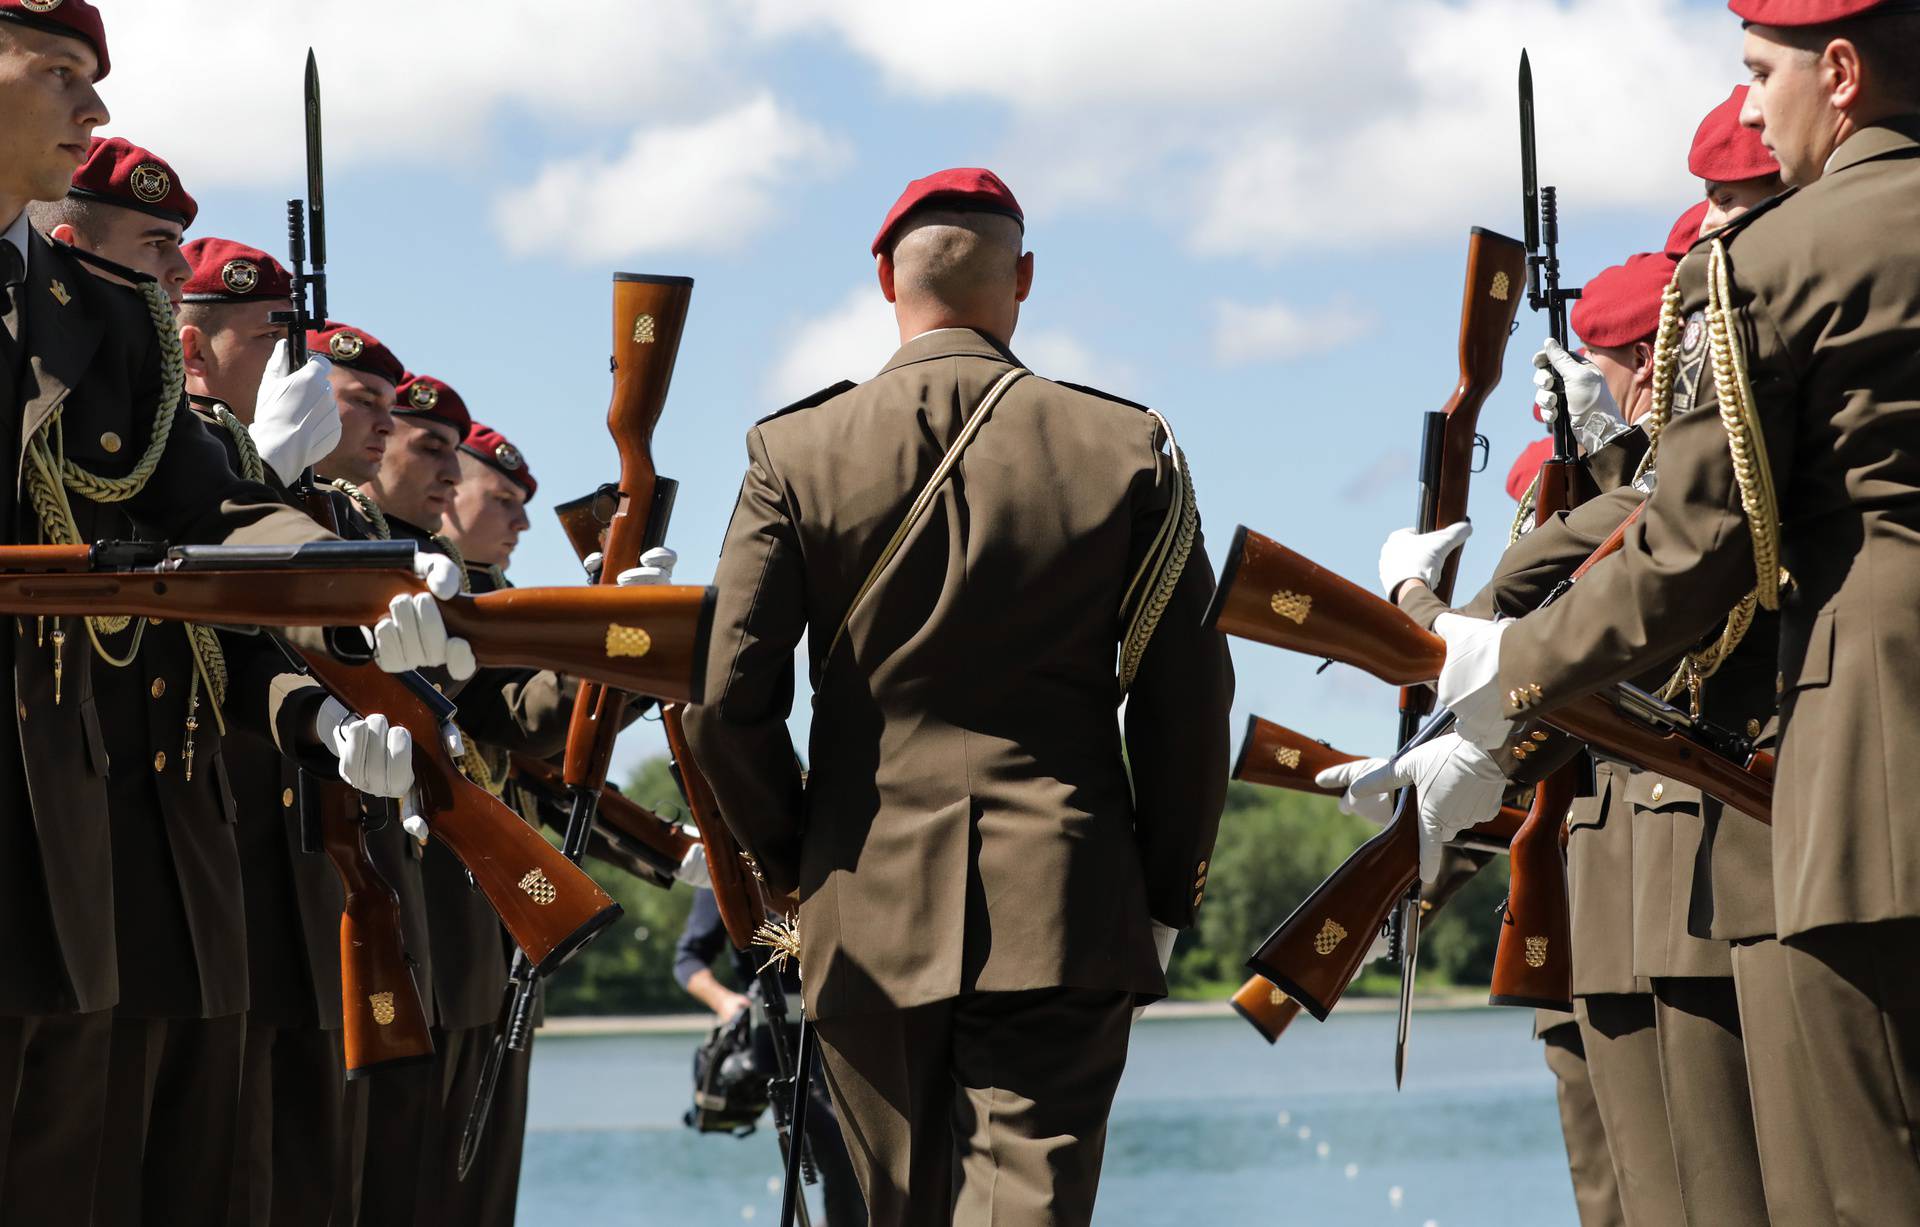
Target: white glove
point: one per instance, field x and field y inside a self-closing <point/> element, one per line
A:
<point x="656" y="567"/>
<point x="1413" y="555"/>
<point x="1459" y="786"/>
<point x="1375" y="807"/>
<point x="295" y="420"/>
<point x="1597" y="419"/>
<point x="375" y="758"/>
<point x="1470" y="680"/>
<point x="412" y="635"/>
<point x="693" y="868"/>
<point x="1163" y="938"/>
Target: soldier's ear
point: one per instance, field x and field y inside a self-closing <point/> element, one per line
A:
<point x="193" y="350"/>
<point x="1840" y="63"/>
<point x="1023" y="277"/>
<point x="884" y="269"/>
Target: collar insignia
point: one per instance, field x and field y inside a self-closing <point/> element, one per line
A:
<point x="59" y="293"/>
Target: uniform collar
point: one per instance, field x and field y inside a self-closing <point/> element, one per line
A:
<point x="17" y="235"/>
<point x="1896" y="135"/>
<point x="949" y="343"/>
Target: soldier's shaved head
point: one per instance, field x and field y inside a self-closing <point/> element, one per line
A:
<point x="957" y="269"/>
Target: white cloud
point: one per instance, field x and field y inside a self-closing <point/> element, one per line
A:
<point x="423" y="81"/>
<point x="1281" y="332"/>
<point x="702" y="186"/>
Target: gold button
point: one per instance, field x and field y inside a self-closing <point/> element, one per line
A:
<point x="1753" y="728"/>
<point x="159" y="760"/>
<point x="158" y="688"/>
<point x="1197" y="895"/>
<point x="1659" y="791"/>
<point x="1201" y="869"/>
<point x="1779" y="682"/>
<point x="110" y="442"/>
<point x="23" y="713"/>
<point x="1539" y="734"/>
<point x="286" y="797"/>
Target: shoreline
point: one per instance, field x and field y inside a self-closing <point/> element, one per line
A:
<point x="1164" y="1011"/>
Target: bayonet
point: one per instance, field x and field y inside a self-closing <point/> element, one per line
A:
<point x="1409" y="941"/>
<point x="316" y="195"/>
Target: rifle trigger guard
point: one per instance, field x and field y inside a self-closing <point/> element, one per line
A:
<point x="1482" y="451"/>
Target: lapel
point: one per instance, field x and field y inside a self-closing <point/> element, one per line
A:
<point x="60" y="338"/>
<point x="949" y="343"/>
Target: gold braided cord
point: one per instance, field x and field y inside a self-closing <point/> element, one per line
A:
<point x="376" y="518"/>
<point x="1745" y="438"/>
<point x="1666" y="360"/>
<point x="251" y="466"/>
<point x="1693" y="672"/>
<point x="1166" y="561"/>
<point x="475" y="765"/>
<point x="173" y="385"/>
<point x="1523" y="518"/>
<point x="459" y="560"/>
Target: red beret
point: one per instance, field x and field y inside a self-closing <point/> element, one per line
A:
<point x="226" y="271"/>
<point x="74" y="18"/>
<point x="965" y="187"/>
<point x="1622" y="304"/>
<point x="118" y="172"/>
<point x="356" y="349"/>
<point x="1526" y="467"/>
<point x="1686" y="231"/>
<point x="423" y="396"/>
<point x="1725" y="152"/>
<point x="491" y="448"/>
<point x="1787" y="13"/>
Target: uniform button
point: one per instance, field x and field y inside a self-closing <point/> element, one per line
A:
<point x="1659" y="790"/>
<point x="159" y="760"/>
<point x="286" y="797"/>
<point x="110" y="442"/>
<point x="1753" y="728"/>
<point x="23" y="713"/>
<point x="158" y="688"/>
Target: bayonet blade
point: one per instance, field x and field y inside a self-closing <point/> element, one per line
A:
<point x="1409" y="959"/>
<point x="1529" y="170"/>
<point x="316" y="193"/>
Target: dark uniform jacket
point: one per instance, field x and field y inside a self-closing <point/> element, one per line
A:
<point x="92" y="356"/>
<point x="967" y="823"/>
<point x="1825" y="286"/>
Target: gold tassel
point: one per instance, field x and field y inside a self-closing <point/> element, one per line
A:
<point x="781" y="937"/>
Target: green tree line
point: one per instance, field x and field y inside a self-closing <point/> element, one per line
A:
<point x="1274" y="848"/>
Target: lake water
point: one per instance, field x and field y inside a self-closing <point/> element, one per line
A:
<point x="1211" y="1126"/>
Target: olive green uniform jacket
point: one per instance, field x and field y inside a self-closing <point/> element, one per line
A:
<point x="968" y="823"/>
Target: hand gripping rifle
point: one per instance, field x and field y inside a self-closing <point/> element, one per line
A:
<point x="649" y="314"/>
<point x="1533" y="963"/>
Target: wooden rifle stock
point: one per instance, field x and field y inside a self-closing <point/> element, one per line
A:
<point x="585" y="519"/>
<point x="382" y="1017"/>
<point x="549" y="907"/>
<point x="646" y="835"/>
<point x="1533" y="961"/>
<point x="742" y="907"/>
<point x="1269" y="1010"/>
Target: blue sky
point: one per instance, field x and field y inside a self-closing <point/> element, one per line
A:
<point x="1252" y="216"/>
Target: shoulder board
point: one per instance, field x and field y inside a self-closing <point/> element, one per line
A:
<point x="1727" y="232"/>
<point x="1081" y="387"/>
<point x="105" y="265"/>
<point x="808" y="402"/>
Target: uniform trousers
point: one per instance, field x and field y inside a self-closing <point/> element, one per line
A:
<point x="491" y="1191"/>
<point x="1596" y="1193"/>
<point x="173" y="1105"/>
<point x="1783" y="1112"/>
<point x="1623" y="1060"/>
<point x="293" y="1164"/>
<point x="53" y="1098"/>
<point x="1703" y="1075"/>
<point x="1856" y="996"/>
<point x="988" y="1108"/>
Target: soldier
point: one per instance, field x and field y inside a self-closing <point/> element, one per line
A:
<point x="980" y="889"/>
<point x="364" y="376"/>
<point x="489" y="507"/>
<point x="1795" y="455"/>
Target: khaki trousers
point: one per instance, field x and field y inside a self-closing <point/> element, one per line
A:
<point x="173" y="1107"/>
<point x="1595" y="1191"/>
<point x="53" y="1098"/>
<point x="1703" y="1073"/>
<point x="1623" y="1060"/>
<point x="293" y="1163"/>
<point x="1856" y="999"/>
<point x="1796" y="1184"/>
<point x="987" y="1109"/>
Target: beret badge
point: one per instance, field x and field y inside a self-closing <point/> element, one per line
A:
<point x="509" y="457"/>
<point x="41" y="6"/>
<point x="150" y="182"/>
<point x="346" y="346"/>
<point x="423" y="396"/>
<point x="240" y="276"/>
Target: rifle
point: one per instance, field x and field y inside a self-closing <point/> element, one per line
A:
<point x="1269" y="1010"/>
<point x="649" y="314"/>
<point x="1533" y="963"/>
<point x="653" y="847"/>
<point x="382" y="1015"/>
<point x="1275" y="596"/>
<point x="1276" y="756"/>
<point x="651" y="640"/>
